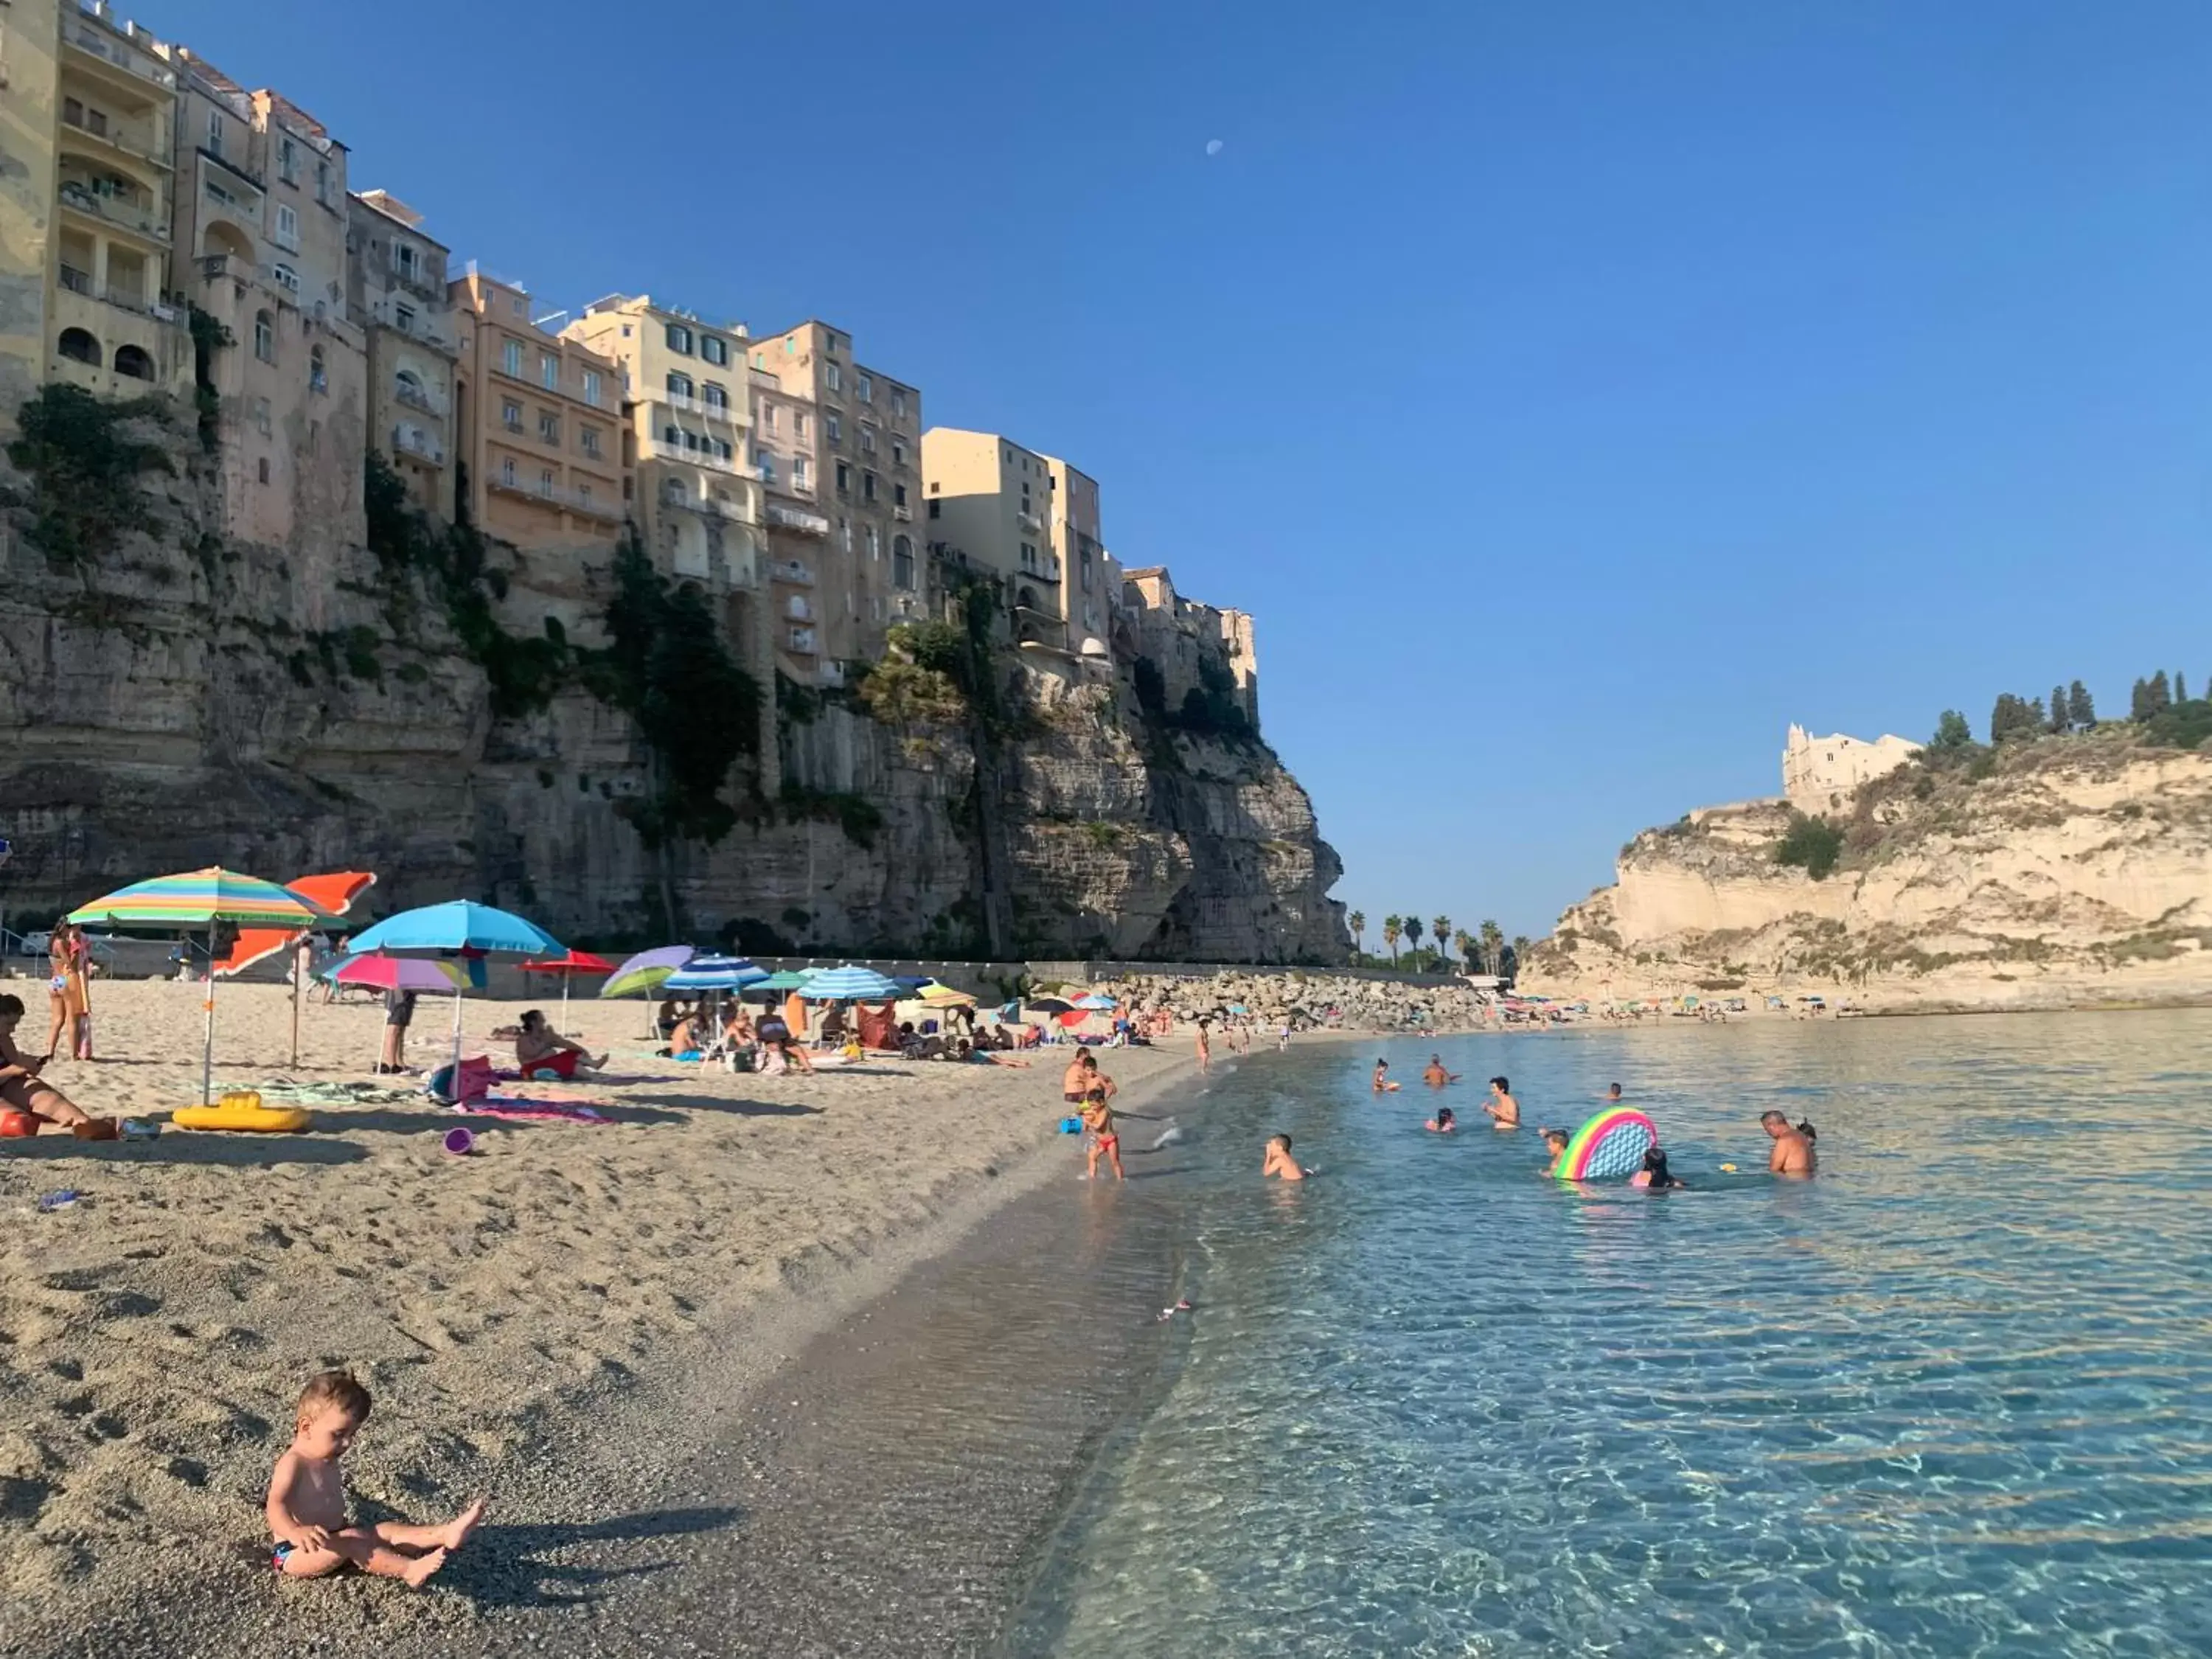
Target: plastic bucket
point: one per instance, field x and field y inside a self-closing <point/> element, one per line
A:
<point x="460" y="1142"/>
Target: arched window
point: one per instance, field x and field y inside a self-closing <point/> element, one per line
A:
<point x="903" y="562"/>
<point x="135" y="362"/>
<point x="679" y="385"/>
<point x="80" y="346"/>
<point x="409" y="385"/>
<point x="319" y="379"/>
<point x="264" y="336"/>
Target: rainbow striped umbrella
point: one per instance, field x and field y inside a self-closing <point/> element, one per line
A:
<point x="202" y="898"/>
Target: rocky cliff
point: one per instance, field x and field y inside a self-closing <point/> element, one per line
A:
<point x="169" y="699"/>
<point x="2065" y="871"/>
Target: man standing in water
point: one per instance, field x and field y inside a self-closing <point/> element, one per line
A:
<point x="1792" y="1153"/>
<point x="1504" y="1110"/>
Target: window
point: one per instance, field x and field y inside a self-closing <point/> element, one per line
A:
<point x="833" y="430"/>
<point x="722" y="450"/>
<point x="261" y="420"/>
<point x="510" y="358"/>
<point x="287" y="161"/>
<point x="583" y="495"/>
<point x="323" y="191"/>
<point x="549" y="427"/>
<point x="717" y="400"/>
<point x="403" y="317"/>
<point x="286" y="278"/>
<point x="510" y="414"/>
<point x="1028" y="553"/>
<point x="403" y="260"/>
<point x="844" y="479"/>
<point x="799" y="471"/>
<point x="829" y="343"/>
<point x="545" y="483"/>
<point x="875" y="542"/>
<point x="864" y="386"/>
<point x="833" y="377"/>
<point x="507" y="470"/>
<point x="936" y="508"/>
<point x="767" y="414"/>
<point x="799" y="425"/>
<point x="679" y="385"/>
<point x="287" y="234"/>
<point x="219" y="195"/>
<point x="898" y="453"/>
<point x="588" y="439"/>
<point x="867" y="486"/>
<point x="215" y="133"/>
<point x="261" y="469"/>
<point x="264" y="336"/>
<point x="591" y="387"/>
<point x="898" y="400"/>
<point x="764" y="462"/>
<point x="679" y="338"/>
<point x="898" y="495"/>
<point x="714" y="349"/>
<point x="845" y="534"/>
<point x="671" y="436"/>
<point x="549" y="371"/>
<point x="317" y="380"/>
<point x="691" y="440"/>
<point x="867" y="438"/>
<point x="903" y="563"/>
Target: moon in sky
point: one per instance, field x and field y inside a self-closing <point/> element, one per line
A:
<point x="1213" y="147"/>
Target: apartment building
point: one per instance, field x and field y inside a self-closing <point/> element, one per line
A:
<point x="1186" y="638"/>
<point x="397" y="290"/>
<point x="259" y="241"/>
<point x="1090" y="578"/>
<point x="537" y="424"/>
<point x="991" y="509"/>
<point x="88" y="110"/>
<point x="844" y="444"/>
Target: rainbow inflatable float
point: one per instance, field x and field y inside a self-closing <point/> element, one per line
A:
<point x="1609" y="1147"/>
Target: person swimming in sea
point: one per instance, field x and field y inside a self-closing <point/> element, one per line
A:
<point x="1792" y="1153"/>
<point x="1504" y="1110"/>
<point x="1278" y="1161"/>
<point x="1443" y="1122"/>
<point x="1613" y="1094"/>
<point x="1555" y="1142"/>
<point x="1654" y="1176"/>
<point x="1382" y="1084"/>
<point x="1436" y="1077"/>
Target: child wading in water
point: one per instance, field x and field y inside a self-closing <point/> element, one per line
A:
<point x="1098" y="1118"/>
<point x="307" y="1499"/>
<point x="1278" y="1161"/>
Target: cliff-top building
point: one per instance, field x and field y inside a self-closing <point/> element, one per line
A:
<point x="836" y="441"/>
<point x="87" y="127"/>
<point x="1821" y="773"/>
<point x="991" y="509"/>
<point x="1189" y="642"/>
<point x="396" y="289"/>
<point x="537" y="424"/>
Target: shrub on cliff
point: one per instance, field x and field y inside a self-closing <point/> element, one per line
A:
<point x="1810" y="844"/>
<point x="85" y="471"/>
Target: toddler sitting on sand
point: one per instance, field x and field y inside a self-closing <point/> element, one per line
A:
<point x="307" y="1498"/>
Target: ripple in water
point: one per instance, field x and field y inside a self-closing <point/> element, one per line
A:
<point x="1954" y="1398"/>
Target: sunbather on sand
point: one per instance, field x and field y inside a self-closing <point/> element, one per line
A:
<point x="21" y="1088"/>
<point x="538" y="1047"/>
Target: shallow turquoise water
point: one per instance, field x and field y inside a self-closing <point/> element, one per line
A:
<point x="1954" y="1397"/>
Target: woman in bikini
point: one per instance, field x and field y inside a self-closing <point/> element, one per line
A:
<point x="21" y="1088"/>
<point x="67" y="993"/>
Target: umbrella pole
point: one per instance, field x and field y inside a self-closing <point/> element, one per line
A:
<point x="566" y="975"/>
<point x="299" y="978"/>
<point x="207" y="1039"/>
<point x="457" y="1036"/>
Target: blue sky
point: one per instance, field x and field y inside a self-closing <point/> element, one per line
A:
<point x="1578" y="393"/>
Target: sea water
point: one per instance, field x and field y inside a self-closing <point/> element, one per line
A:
<point x="1952" y="1397"/>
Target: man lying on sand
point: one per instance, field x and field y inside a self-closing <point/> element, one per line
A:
<point x="21" y="1088"/>
<point x="307" y="1506"/>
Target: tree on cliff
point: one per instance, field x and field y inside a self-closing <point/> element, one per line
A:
<point x="2080" y="712"/>
<point x="1812" y="844"/>
<point x="2060" y="719"/>
<point x="1951" y="732"/>
<point x="1440" y="931"/>
<point x="2180" y="687"/>
<point x="1357" y="920"/>
<point x="1393" y="926"/>
<point x="2013" y="718"/>
<point x="2149" y="697"/>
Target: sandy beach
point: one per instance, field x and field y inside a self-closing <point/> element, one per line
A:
<point x="154" y="1333"/>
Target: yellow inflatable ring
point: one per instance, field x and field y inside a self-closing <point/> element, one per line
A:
<point x="241" y="1110"/>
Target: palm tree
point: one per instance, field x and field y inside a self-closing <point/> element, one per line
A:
<point x="1392" y="927"/>
<point x="1358" y="921"/>
<point x="1493" y="943"/>
<point x="1520" y="953"/>
<point x="1412" y="934"/>
<point x="1440" y="931"/>
<point x="1465" y="941"/>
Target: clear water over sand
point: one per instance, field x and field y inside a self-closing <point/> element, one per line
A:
<point x="1953" y="1398"/>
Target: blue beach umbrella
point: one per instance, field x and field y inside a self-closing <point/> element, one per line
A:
<point x="458" y="927"/>
<point x="846" y="983"/>
<point x="715" y="973"/>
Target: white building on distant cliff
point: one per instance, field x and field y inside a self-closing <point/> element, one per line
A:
<point x="1820" y="774"/>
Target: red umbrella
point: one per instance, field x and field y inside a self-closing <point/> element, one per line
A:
<point x="576" y="962"/>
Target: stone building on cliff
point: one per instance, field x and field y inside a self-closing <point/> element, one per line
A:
<point x="1189" y="642"/>
<point x="1820" y="774"/>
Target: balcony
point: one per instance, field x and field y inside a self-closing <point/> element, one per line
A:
<point x="113" y="211"/>
<point x="129" y="299"/>
<point x="798" y="609"/>
<point x="668" y="451"/>
<point x="760" y="377"/>
<point x="420" y="445"/>
<point x="1031" y="522"/>
<point x="728" y="413"/>
<point x="903" y="515"/>
<point x="798" y="519"/>
<point x="791" y="571"/>
<point x="799" y="641"/>
<point x="86" y="37"/>
<point x="415" y="323"/>
<point x="553" y="495"/>
<point x="154" y="149"/>
<point x="416" y="397"/>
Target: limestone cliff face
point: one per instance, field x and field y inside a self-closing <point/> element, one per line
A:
<point x="2078" y="871"/>
<point x="195" y="703"/>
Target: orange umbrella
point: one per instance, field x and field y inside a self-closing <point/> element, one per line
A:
<point x="334" y="892"/>
<point x="794" y="1014"/>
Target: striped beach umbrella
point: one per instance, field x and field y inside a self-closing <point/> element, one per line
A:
<point x="206" y="898"/>
<point x="935" y="995"/>
<point x="846" y="983"/>
<point x="715" y="973"/>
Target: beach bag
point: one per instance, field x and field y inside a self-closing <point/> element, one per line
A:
<point x="473" y="1081"/>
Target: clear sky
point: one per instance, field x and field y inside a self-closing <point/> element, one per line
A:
<point x="1577" y="393"/>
